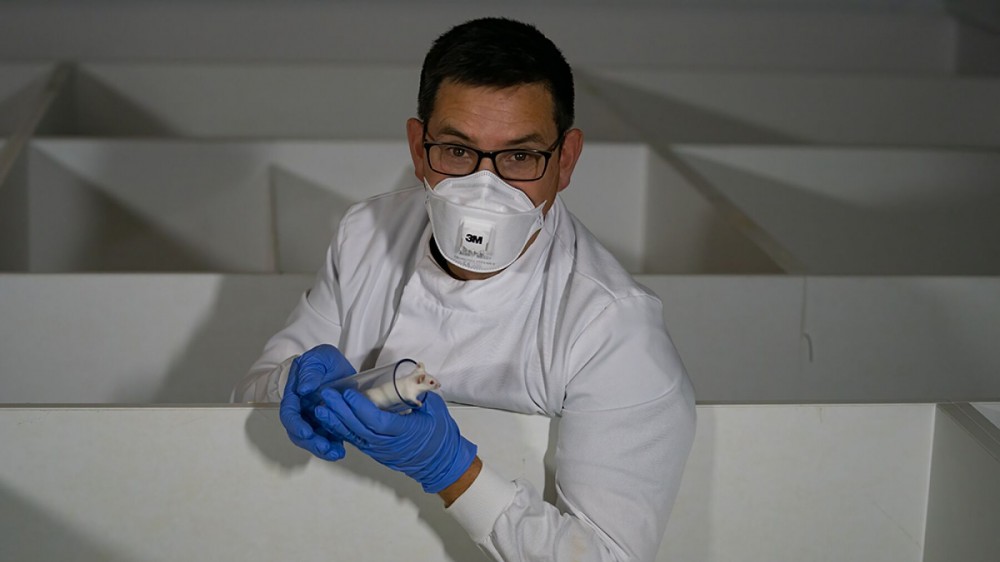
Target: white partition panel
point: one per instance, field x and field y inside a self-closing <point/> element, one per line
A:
<point x="990" y="410"/>
<point x="140" y="206"/>
<point x="866" y="212"/>
<point x="608" y="193"/>
<point x="763" y="483"/>
<point x="264" y="101"/>
<point x="688" y="231"/>
<point x="225" y="484"/>
<point x="743" y="339"/>
<point x="311" y="185"/>
<point x="181" y="206"/>
<point x="170" y="338"/>
<point x="136" y="338"/>
<point x="905" y="338"/>
<point x="849" y="339"/>
<point x="804" y="482"/>
<point x="291" y="101"/>
<point x="802" y="108"/>
<point x="162" y="205"/>
<point x="13" y="208"/>
<point x="963" y="511"/>
<point x="884" y="36"/>
<point x="372" y="101"/>
<point x="20" y="86"/>
<point x="738" y="336"/>
<point x="22" y="102"/>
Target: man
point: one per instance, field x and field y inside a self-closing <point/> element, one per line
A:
<point x="484" y="276"/>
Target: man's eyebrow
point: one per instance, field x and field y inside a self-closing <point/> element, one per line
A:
<point x="526" y="139"/>
<point x="451" y="131"/>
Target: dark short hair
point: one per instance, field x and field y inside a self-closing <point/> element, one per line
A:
<point x="501" y="53"/>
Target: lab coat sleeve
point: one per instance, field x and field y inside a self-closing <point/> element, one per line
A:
<point x="315" y="320"/>
<point x="626" y="430"/>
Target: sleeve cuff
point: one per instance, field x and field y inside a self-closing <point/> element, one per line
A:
<point x="283" y="377"/>
<point x="479" y="507"/>
<point x="265" y="387"/>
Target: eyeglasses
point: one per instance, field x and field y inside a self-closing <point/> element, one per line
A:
<point x="515" y="164"/>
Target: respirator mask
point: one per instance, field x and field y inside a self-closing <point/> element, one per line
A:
<point x="479" y="222"/>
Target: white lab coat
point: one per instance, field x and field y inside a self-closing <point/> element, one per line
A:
<point x="564" y="331"/>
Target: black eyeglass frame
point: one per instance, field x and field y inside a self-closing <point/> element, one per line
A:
<point x="480" y="154"/>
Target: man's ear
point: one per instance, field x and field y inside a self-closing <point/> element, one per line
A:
<point x="415" y="139"/>
<point x="569" y="153"/>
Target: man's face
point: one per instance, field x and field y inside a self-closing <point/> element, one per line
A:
<point x="490" y="119"/>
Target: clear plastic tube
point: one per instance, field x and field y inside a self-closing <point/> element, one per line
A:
<point x="398" y="387"/>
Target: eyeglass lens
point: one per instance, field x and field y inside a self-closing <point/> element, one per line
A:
<point x="511" y="164"/>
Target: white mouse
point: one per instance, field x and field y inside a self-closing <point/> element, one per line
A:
<point x="408" y="387"/>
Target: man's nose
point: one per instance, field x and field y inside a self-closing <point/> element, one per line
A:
<point x="483" y="162"/>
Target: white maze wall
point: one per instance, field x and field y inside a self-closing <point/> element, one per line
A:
<point x="817" y="215"/>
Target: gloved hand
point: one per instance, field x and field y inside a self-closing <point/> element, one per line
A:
<point x="319" y="365"/>
<point x="424" y="444"/>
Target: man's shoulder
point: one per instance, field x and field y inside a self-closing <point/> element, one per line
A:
<point x="386" y="207"/>
<point x="595" y="270"/>
<point x="387" y="226"/>
<point x="592" y="284"/>
<point x="402" y="200"/>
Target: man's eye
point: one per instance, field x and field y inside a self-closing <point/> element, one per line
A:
<point x="456" y="152"/>
<point x="520" y="157"/>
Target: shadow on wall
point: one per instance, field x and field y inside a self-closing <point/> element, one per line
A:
<point x="688" y="534"/>
<point x="85" y="228"/>
<point x="102" y="207"/>
<point x="14" y="253"/>
<point x="265" y="432"/>
<point x="249" y="309"/>
<point x="96" y="108"/>
<point x="305" y="216"/>
<point x="663" y="119"/>
<point x="28" y="532"/>
<point x="246" y="311"/>
<point x="947" y="234"/>
<point x="16" y="106"/>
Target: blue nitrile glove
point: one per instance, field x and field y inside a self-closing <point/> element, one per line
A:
<point x="424" y="444"/>
<point x="319" y="365"/>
